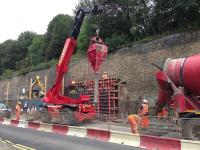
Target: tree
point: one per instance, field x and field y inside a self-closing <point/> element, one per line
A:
<point x="9" y="54"/>
<point x="120" y="39"/>
<point x="186" y="13"/>
<point x="170" y="15"/>
<point x="114" y="20"/>
<point x="24" y="41"/>
<point x="57" y="32"/>
<point x="140" y="14"/>
<point x="7" y="73"/>
<point x="13" y="53"/>
<point x="84" y="37"/>
<point x="35" y="50"/>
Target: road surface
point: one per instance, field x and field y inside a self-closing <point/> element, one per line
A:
<point x="50" y="141"/>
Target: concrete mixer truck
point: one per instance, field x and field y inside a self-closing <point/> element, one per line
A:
<point x="179" y="86"/>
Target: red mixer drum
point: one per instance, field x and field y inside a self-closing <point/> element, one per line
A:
<point x="97" y="53"/>
<point x="185" y="72"/>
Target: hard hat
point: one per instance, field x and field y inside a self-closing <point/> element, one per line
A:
<point x="73" y="81"/>
<point x="105" y="72"/>
<point x="144" y="101"/>
<point x="37" y="77"/>
<point x="19" y="102"/>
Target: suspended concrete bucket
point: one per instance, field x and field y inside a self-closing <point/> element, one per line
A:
<point x="97" y="53"/>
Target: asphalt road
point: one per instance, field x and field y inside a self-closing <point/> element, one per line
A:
<point x="49" y="141"/>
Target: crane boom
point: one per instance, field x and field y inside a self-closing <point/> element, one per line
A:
<point x="69" y="47"/>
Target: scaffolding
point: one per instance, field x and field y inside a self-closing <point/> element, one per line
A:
<point x="108" y="97"/>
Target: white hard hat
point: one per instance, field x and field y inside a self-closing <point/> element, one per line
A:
<point x="37" y="77"/>
<point x="144" y="101"/>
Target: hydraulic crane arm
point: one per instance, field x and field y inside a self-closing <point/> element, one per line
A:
<point x="67" y="52"/>
<point x="80" y="17"/>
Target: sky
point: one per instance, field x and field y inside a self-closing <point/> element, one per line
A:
<point x="17" y="16"/>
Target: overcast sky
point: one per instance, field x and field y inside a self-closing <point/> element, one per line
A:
<point x="30" y="15"/>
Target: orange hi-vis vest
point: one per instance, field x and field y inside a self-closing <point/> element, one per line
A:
<point x="145" y="110"/>
<point x="18" y="108"/>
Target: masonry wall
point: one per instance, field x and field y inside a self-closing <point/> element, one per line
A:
<point x="133" y="64"/>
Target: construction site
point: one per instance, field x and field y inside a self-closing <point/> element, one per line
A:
<point x="103" y="91"/>
<point x="119" y="94"/>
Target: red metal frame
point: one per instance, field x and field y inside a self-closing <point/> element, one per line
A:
<point x="107" y="104"/>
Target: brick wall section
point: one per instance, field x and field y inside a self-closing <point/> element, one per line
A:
<point x="131" y="64"/>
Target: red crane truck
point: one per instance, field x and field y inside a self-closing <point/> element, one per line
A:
<point x="71" y="107"/>
<point x="179" y="85"/>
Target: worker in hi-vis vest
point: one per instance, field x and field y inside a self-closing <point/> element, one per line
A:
<point x="18" y="110"/>
<point x="163" y="114"/>
<point x="134" y="123"/>
<point x="143" y="113"/>
<point x="141" y="119"/>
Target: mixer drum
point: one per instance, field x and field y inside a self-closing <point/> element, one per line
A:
<point x="185" y="72"/>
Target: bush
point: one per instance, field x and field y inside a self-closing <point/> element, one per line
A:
<point x="7" y="73"/>
<point x="116" y="41"/>
<point x="38" y="67"/>
<point x="10" y="73"/>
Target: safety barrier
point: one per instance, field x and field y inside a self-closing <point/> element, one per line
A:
<point x="164" y="126"/>
<point x="60" y="129"/>
<point x="136" y="140"/>
<point x="152" y="142"/>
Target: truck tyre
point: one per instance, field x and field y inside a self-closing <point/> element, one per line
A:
<point x="45" y="117"/>
<point x="67" y="116"/>
<point x="191" y="129"/>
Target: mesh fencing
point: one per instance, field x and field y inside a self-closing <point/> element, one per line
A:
<point x="187" y="128"/>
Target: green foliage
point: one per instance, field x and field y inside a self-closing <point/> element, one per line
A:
<point x="24" y="40"/>
<point x="35" y="50"/>
<point x="139" y="19"/>
<point x="57" y="32"/>
<point x="41" y="66"/>
<point x="115" y="24"/>
<point x="173" y="14"/>
<point x="84" y="38"/>
<point x="116" y="41"/>
<point x="115" y="18"/>
<point x="10" y="73"/>
<point x="13" y="54"/>
<point x="7" y="73"/>
<point x="9" y="54"/>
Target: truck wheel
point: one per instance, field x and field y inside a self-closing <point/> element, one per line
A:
<point x="45" y="117"/>
<point x="67" y="117"/>
<point x="191" y="129"/>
